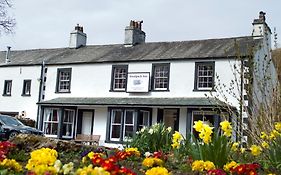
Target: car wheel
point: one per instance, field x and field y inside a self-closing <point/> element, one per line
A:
<point x="13" y="134"/>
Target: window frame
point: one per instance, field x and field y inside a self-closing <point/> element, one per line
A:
<point x="113" y="79"/>
<point x="25" y="85"/>
<point x="59" y="71"/>
<point x="48" y="119"/>
<point x="136" y="113"/>
<point x="196" y="76"/>
<point x="154" y="66"/>
<point x="68" y="123"/>
<point x="5" y="90"/>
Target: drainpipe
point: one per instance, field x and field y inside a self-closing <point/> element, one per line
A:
<point x="40" y="93"/>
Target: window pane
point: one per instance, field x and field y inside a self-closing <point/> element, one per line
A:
<point x="115" y="131"/>
<point x="117" y="117"/>
<point x="129" y="131"/>
<point x="129" y="117"/>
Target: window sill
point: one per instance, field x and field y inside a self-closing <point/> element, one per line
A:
<point x="114" y="142"/>
<point x="57" y="92"/>
<point x="204" y="90"/>
<point x="111" y="90"/>
<point x="160" y="90"/>
<point x="25" y="95"/>
<point x="6" y="95"/>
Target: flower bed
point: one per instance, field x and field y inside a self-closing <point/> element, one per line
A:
<point x="153" y="151"/>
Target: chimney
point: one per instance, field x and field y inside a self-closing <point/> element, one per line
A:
<point x="260" y="27"/>
<point x="133" y="34"/>
<point x="77" y="37"/>
<point x="8" y="54"/>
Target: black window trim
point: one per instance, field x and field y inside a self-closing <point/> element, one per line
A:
<point x="197" y="64"/>
<point x="57" y="82"/>
<point x="152" y="77"/>
<point x="123" y="109"/>
<point x="23" y="88"/>
<point x="112" y="77"/>
<point x="5" y="88"/>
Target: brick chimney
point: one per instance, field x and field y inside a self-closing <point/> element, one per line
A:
<point x="77" y="37"/>
<point x="260" y="27"/>
<point x="133" y="34"/>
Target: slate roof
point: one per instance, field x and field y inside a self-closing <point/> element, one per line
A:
<point x="78" y="101"/>
<point x="210" y="48"/>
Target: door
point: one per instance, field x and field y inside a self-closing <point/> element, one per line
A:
<point x="85" y="124"/>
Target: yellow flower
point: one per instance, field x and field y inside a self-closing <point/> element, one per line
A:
<point x="277" y="126"/>
<point x="265" y="144"/>
<point x="234" y="146"/>
<point x="208" y="165"/>
<point x="11" y="164"/>
<point x="242" y="150"/>
<point x="198" y="125"/>
<point x="274" y="134"/>
<point x="264" y="136"/>
<point x="151" y="161"/>
<point x="42" y="159"/>
<point x="226" y="127"/>
<point x="157" y="171"/>
<point x="177" y="138"/>
<point x="255" y="150"/>
<point x="134" y="151"/>
<point x="92" y="171"/>
<point x="205" y="133"/>
<point x="227" y="167"/>
<point x="198" y="165"/>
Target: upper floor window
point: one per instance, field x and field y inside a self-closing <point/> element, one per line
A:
<point x="7" y="88"/>
<point x="26" y="88"/>
<point x="63" y="80"/>
<point x="119" y="77"/>
<point x="204" y="75"/>
<point x="160" y="76"/>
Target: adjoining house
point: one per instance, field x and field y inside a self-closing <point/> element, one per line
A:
<point x="115" y="90"/>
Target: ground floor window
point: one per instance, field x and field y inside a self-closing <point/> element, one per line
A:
<point x="51" y="121"/>
<point x="208" y="117"/>
<point x="124" y="122"/>
<point x="68" y="123"/>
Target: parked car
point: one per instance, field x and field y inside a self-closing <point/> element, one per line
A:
<point x="10" y="127"/>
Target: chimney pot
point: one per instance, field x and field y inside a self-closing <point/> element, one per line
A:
<point x="262" y="16"/>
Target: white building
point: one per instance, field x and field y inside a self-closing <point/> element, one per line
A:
<point x="114" y="90"/>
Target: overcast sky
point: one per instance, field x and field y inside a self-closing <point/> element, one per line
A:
<point x="47" y="23"/>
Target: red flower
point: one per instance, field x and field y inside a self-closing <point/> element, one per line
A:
<point x="216" y="172"/>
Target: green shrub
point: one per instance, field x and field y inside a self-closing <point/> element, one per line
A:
<point x="150" y="139"/>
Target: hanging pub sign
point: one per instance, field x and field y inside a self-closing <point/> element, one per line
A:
<point x="138" y="82"/>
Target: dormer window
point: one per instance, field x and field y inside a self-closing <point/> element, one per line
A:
<point x="63" y="80"/>
<point x="204" y="76"/>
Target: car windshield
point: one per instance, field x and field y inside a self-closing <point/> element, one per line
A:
<point x="10" y="121"/>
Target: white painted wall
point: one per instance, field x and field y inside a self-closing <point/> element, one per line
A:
<point x="16" y="102"/>
<point x="93" y="80"/>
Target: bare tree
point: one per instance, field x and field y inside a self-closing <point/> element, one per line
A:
<point x="7" y="23"/>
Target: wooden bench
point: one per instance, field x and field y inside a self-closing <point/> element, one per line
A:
<point x="87" y="139"/>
